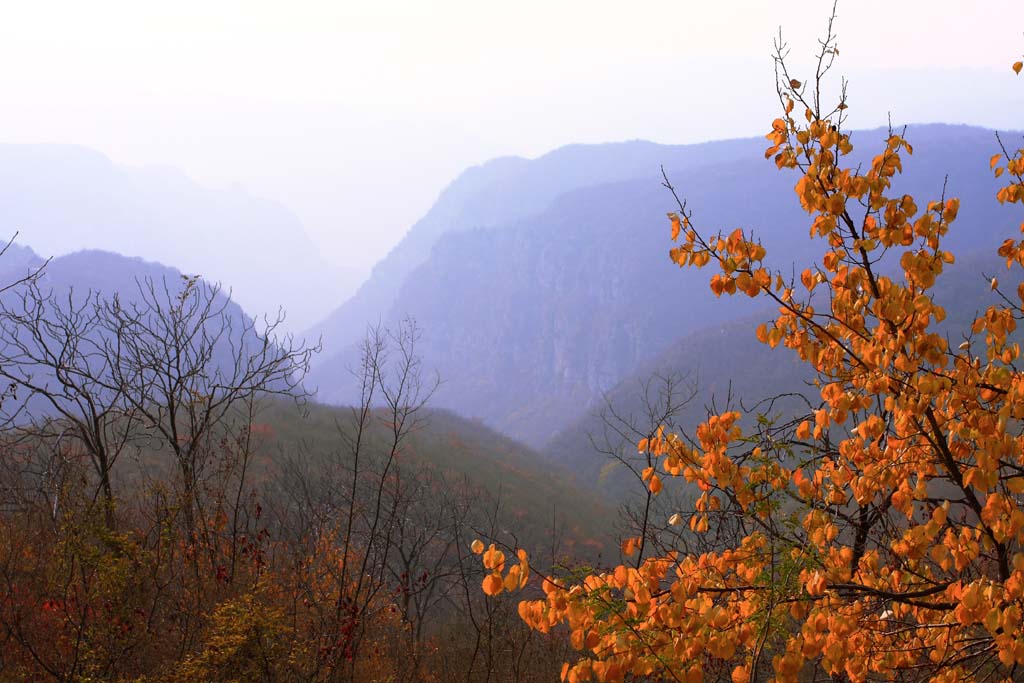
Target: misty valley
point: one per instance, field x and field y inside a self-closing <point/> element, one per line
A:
<point x="740" y="410"/>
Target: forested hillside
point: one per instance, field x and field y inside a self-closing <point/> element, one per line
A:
<point x="174" y="508"/>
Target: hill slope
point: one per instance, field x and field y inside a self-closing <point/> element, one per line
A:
<point x="531" y="491"/>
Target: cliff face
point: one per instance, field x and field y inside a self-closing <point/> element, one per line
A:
<point x="498" y="193"/>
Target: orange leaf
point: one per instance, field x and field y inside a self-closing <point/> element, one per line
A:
<point x="492" y="584"/>
<point x="655" y="484"/>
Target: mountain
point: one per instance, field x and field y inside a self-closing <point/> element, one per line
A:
<point x="528" y="488"/>
<point x="496" y="194"/>
<point x="63" y="198"/>
<point x="528" y="323"/>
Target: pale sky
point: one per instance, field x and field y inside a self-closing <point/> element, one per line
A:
<point x="355" y="115"/>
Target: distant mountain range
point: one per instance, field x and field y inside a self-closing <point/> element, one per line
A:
<point x="64" y="198"/>
<point x="540" y="285"/>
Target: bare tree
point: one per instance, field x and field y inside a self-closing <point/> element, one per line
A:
<point x="351" y="506"/>
<point x="169" y="367"/>
<point x="189" y="367"/>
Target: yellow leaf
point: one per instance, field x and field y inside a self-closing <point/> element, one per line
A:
<point x="950" y="211"/>
<point x="477" y="547"/>
<point x="1017" y="66"/>
<point x="994" y="160"/>
<point x="676" y="226"/>
<point x="815" y="584"/>
<point x="494" y="558"/>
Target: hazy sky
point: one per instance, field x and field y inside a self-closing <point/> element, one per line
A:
<point x="356" y="115"/>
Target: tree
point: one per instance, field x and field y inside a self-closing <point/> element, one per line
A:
<point x="52" y="352"/>
<point x="89" y="595"/>
<point x="350" y="509"/>
<point x="169" y="366"/>
<point x="882" y="535"/>
<point x="190" y="368"/>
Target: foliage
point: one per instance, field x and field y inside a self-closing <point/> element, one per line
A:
<point x="246" y="642"/>
<point x="880" y="537"/>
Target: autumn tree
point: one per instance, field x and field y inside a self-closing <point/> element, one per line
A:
<point x="882" y="535"/>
